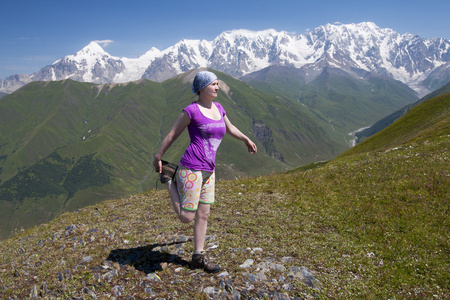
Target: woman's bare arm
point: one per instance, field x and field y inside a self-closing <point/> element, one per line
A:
<point x="236" y="133"/>
<point x="181" y="123"/>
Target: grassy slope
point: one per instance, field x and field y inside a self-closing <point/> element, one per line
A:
<point x="371" y="225"/>
<point x="422" y="122"/>
<point x="67" y="144"/>
<point x="388" y="120"/>
<point x="114" y="119"/>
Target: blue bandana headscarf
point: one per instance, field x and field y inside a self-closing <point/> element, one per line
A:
<point x="202" y="80"/>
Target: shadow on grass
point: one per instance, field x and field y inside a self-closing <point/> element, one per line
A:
<point x="150" y="258"/>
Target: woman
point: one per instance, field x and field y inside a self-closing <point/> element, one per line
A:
<point x="192" y="191"/>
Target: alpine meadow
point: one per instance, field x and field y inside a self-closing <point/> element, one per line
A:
<point x="372" y="223"/>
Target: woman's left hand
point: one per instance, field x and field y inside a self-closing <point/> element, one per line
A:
<point x="251" y="147"/>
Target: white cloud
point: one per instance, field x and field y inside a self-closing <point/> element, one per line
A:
<point x="103" y="43"/>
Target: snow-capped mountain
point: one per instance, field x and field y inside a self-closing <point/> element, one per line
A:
<point x="422" y="64"/>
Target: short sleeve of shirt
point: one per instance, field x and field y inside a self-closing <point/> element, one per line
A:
<point x="189" y="110"/>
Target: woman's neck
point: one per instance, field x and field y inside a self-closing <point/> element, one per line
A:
<point x="206" y="103"/>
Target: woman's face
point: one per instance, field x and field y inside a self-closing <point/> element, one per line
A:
<point x="211" y="90"/>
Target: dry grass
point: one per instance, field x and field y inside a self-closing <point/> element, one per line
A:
<point x="372" y="226"/>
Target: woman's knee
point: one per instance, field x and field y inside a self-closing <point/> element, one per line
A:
<point x="185" y="219"/>
<point x="186" y="216"/>
<point x="203" y="212"/>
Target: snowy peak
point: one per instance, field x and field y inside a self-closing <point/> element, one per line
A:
<point x="90" y="64"/>
<point x="423" y="64"/>
<point x="360" y="29"/>
<point x="92" y="50"/>
<point x="237" y="34"/>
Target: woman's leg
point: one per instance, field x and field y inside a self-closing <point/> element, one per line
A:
<point x="200" y="225"/>
<point x="185" y="216"/>
<point x="201" y="218"/>
<point x="174" y="197"/>
<point x="199" y="260"/>
<point x="191" y="190"/>
<point x="201" y="215"/>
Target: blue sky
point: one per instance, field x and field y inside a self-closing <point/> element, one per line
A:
<point x="35" y="33"/>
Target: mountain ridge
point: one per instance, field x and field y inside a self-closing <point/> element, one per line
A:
<point x="422" y="64"/>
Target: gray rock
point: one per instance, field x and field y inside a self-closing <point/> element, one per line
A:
<point x="247" y="264"/>
<point x="212" y="291"/>
<point x="309" y="278"/>
<point x="153" y="277"/>
<point x="89" y="292"/>
<point x="223" y="274"/>
<point x="86" y="259"/>
<point x="118" y="290"/>
<point x="110" y="275"/>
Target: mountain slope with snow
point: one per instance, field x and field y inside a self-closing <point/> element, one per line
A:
<point x="422" y="64"/>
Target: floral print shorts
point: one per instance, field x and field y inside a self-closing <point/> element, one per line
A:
<point x="194" y="187"/>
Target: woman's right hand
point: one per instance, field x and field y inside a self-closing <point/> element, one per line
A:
<point x="157" y="164"/>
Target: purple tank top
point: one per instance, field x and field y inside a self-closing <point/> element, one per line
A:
<point x="206" y="135"/>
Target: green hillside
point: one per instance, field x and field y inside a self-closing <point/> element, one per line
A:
<point x="66" y="144"/>
<point x="431" y="119"/>
<point x="371" y="224"/>
<point x="342" y="103"/>
<point x="388" y="120"/>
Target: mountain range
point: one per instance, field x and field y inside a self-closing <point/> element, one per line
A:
<point x="358" y="49"/>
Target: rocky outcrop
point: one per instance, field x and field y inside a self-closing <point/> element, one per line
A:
<point x="264" y="135"/>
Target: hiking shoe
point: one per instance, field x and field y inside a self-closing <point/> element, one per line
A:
<point x="168" y="171"/>
<point x="199" y="262"/>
